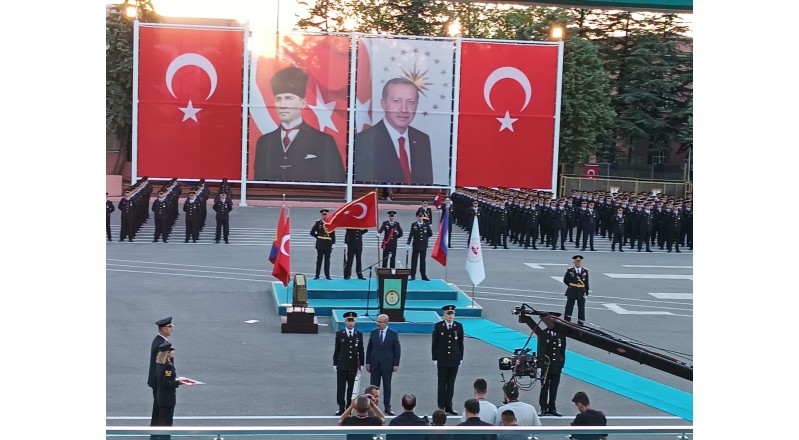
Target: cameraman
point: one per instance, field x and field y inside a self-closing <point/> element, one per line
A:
<point x="526" y="415"/>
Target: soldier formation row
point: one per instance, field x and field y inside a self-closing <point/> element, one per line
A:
<point x="527" y="218"/>
<point x="134" y="208"/>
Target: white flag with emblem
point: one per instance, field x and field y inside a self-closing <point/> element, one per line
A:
<point x="474" y="256"/>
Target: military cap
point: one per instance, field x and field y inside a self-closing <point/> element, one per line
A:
<point x="163" y="322"/>
<point x="350" y="316"/>
<point x="166" y="346"/>
<point x="192" y="193"/>
<point x="577" y="257"/>
<point x="324" y="211"/>
<point x="289" y="80"/>
<point x="419" y="214"/>
<point x="449" y="308"/>
<point x="392" y="212"/>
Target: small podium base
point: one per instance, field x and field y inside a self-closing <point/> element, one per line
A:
<point x="299" y="320"/>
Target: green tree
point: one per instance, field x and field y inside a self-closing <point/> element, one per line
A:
<point x="119" y="73"/>
<point x="586" y="112"/>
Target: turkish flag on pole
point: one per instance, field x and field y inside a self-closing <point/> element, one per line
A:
<point x="506" y="125"/>
<point x="441" y="248"/>
<point x="591" y="171"/>
<point x="282" y="269"/>
<point x="357" y="214"/>
<point x="281" y="224"/>
<point x="189" y="102"/>
<point x="438" y="200"/>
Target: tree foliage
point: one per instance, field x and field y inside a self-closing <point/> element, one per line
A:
<point x="119" y="72"/>
<point x="586" y="112"/>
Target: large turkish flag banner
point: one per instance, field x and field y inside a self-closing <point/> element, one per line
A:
<point x="190" y="97"/>
<point x="506" y="125"/>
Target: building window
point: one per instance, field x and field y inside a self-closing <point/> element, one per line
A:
<point x="657" y="157"/>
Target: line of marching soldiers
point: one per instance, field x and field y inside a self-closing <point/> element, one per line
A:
<point x="528" y="217"/>
<point x="134" y="208"/>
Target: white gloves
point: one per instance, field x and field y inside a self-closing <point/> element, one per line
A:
<point x="334" y="246"/>
<point x="377" y="235"/>
<point x="435" y="363"/>
<point x="407" y="246"/>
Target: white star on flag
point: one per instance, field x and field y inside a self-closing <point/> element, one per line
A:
<point x="507" y="122"/>
<point x="324" y="112"/>
<point x="189" y="112"/>
<point x="362" y="115"/>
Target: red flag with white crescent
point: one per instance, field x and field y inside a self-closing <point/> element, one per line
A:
<point x="591" y="170"/>
<point x="507" y="115"/>
<point x="357" y="214"/>
<point x="282" y="269"/>
<point x="189" y="102"/>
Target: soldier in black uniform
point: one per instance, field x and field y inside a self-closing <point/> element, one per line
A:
<point x="617" y="226"/>
<point x="687" y="230"/>
<point x="164" y="331"/>
<point x="202" y="197"/>
<point x="391" y="231"/>
<point x="447" y="356"/>
<point x="347" y="360"/>
<point x="354" y="241"/>
<point x="161" y="212"/>
<point x="168" y="384"/>
<point x="501" y="227"/>
<point x="127" y="210"/>
<point x="578" y="221"/>
<point x="646" y="222"/>
<point x="576" y="280"/>
<point x="222" y="206"/>
<point x="419" y="235"/>
<point x="560" y="220"/>
<point x="325" y="242"/>
<point x="552" y="356"/>
<point x="109" y="208"/>
<point x="531" y="226"/>
<point x="193" y="211"/>
<point x="588" y="222"/>
<point x="474" y="211"/>
<point x="427" y="213"/>
<point x="659" y="229"/>
<point x="673" y="229"/>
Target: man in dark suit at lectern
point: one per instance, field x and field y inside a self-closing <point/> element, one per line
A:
<point x="383" y="358"/>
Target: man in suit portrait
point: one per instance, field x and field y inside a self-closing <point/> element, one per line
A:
<point x="295" y="151"/>
<point x="392" y="151"/>
<point x="383" y="358"/>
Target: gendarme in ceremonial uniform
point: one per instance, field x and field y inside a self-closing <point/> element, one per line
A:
<point x="324" y="244"/>
<point x="347" y="360"/>
<point x="391" y="231"/>
<point x="576" y="279"/>
<point x="420" y="235"/>
<point x="447" y="351"/>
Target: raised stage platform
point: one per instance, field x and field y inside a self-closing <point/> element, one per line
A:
<point x="335" y="297"/>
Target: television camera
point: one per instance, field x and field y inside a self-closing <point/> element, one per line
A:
<point x="521" y="364"/>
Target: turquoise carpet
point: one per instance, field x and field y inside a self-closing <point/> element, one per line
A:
<point x="654" y="394"/>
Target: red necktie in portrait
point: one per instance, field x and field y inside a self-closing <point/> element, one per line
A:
<point x="403" y="157"/>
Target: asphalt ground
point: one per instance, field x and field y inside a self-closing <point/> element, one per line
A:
<point x="254" y="375"/>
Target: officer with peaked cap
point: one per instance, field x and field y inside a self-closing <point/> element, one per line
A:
<point x="193" y="212"/>
<point x="447" y="349"/>
<point x="109" y="208"/>
<point x="391" y="231"/>
<point x="167" y="379"/>
<point x="576" y="280"/>
<point x="295" y="151"/>
<point x="325" y="242"/>
<point x="347" y="360"/>
<point x="164" y="331"/>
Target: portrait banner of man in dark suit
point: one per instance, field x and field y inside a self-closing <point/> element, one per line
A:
<point x="404" y="112"/>
<point x="295" y="151"/>
<point x="391" y="150"/>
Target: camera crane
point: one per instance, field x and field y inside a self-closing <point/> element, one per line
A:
<point x="602" y="340"/>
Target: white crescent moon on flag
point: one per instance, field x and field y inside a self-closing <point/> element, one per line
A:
<point x="191" y="59"/>
<point x="590" y="172"/>
<point x="365" y="210"/>
<point x="283" y="245"/>
<point x="510" y="73"/>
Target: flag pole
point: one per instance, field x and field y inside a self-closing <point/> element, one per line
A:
<point x="472" y="306"/>
<point x="288" y="214"/>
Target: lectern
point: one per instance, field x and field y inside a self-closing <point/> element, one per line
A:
<point x="299" y="317"/>
<point x="393" y="288"/>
